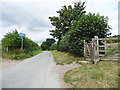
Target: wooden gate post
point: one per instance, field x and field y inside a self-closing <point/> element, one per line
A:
<point x="105" y="47"/>
<point x="92" y="50"/>
<point x="96" y="50"/>
<point x="85" y="50"/>
<point x="97" y="46"/>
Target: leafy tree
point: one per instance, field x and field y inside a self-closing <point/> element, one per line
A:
<point x="47" y="44"/>
<point x="64" y="45"/>
<point x="90" y="25"/>
<point x="64" y="21"/>
<point x="11" y="40"/>
<point x="53" y="47"/>
<point x="72" y="26"/>
<point x="86" y="28"/>
<point x="44" y="45"/>
<point x="29" y="45"/>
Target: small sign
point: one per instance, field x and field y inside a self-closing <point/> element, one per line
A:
<point x="22" y="34"/>
<point x="91" y="45"/>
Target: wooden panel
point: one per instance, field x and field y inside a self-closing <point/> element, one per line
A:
<point x="109" y="46"/>
<point x="104" y="50"/>
<point x="102" y="46"/>
<point x="101" y="55"/>
<point x="108" y="39"/>
<point x="110" y="59"/>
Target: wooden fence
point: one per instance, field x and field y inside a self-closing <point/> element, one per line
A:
<point x="98" y="49"/>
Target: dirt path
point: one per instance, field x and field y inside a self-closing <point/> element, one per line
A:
<point x="63" y="69"/>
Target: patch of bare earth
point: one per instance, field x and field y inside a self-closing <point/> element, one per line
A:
<point x="62" y="69"/>
<point x="6" y="63"/>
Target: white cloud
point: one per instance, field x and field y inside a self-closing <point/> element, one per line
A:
<point x="107" y="8"/>
<point x="31" y="16"/>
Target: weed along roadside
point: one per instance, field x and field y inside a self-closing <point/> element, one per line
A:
<point x="103" y="74"/>
<point x="16" y="49"/>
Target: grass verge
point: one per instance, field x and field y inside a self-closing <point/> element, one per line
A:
<point x="21" y="55"/>
<point x="62" y="58"/>
<point x="102" y="75"/>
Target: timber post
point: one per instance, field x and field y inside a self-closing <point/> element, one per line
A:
<point x="85" y="50"/>
<point x="92" y="50"/>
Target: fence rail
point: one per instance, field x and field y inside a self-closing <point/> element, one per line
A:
<point x="97" y="49"/>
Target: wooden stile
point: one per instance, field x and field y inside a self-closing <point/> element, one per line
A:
<point x="94" y="52"/>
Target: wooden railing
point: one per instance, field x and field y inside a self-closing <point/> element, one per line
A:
<point x="97" y="49"/>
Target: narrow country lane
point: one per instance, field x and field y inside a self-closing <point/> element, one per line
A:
<point x="36" y="72"/>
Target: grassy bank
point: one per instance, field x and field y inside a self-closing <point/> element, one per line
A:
<point x="62" y="58"/>
<point x="102" y="75"/>
<point x="20" y="55"/>
<point x="0" y="50"/>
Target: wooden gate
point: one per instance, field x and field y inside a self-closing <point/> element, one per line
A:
<point x="102" y="49"/>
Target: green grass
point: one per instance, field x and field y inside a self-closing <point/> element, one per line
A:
<point x="20" y="55"/>
<point x="0" y="50"/>
<point x="113" y="49"/>
<point x="62" y="58"/>
<point x="102" y="75"/>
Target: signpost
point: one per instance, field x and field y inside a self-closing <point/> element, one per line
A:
<point x="22" y="35"/>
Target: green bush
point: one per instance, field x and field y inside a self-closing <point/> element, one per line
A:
<point x="53" y="47"/>
<point x="72" y="42"/>
<point x="64" y="46"/>
<point x="47" y="44"/>
<point x="44" y="46"/>
<point x="22" y="55"/>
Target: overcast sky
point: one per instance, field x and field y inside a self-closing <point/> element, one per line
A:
<point x="31" y="16"/>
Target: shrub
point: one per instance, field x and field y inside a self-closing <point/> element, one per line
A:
<point x="53" y="47"/>
<point x="64" y="45"/>
<point x="47" y="44"/>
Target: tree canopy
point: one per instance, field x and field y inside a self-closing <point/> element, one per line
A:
<point x="47" y="44"/>
<point x="64" y="21"/>
<point x="12" y="40"/>
<point x="73" y="25"/>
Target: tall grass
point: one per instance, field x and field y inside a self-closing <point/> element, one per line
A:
<point x="62" y="58"/>
<point x="0" y="50"/>
<point x="20" y="54"/>
<point x="102" y="75"/>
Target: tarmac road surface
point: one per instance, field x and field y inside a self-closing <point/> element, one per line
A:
<point x="36" y="72"/>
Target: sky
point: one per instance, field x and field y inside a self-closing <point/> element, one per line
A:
<point x="31" y="16"/>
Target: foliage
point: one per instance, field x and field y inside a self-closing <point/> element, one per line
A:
<point x="0" y="50"/>
<point x="116" y="36"/>
<point x="72" y="26"/>
<point x="90" y="25"/>
<point x="29" y="44"/>
<point x="47" y="44"/>
<point x="12" y="41"/>
<point x="84" y="29"/>
<point x="64" y="45"/>
<point x="53" y="47"/>
<point x="20" y="55"/>
<point x="64" y="21"/>
<point x="44" y="45"/>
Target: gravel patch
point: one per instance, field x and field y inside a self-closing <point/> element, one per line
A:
<point x="6" y="63"/>
<point x="62" y="69"/>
